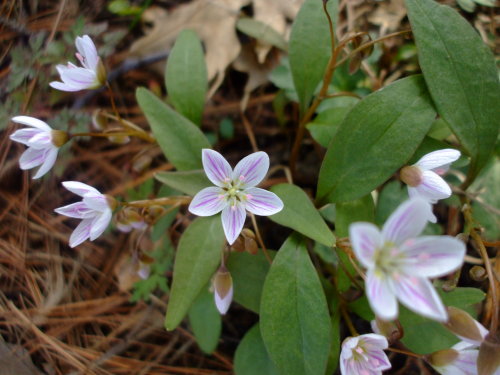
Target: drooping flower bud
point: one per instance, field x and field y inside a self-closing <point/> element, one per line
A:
<point x="249" y="240"/>
<point x="389" y="329"/>
<point x="223" y="289"/>
<point x="442" y="358"/>
<point x="488" y="360"/>
<point x="465" y="326"/>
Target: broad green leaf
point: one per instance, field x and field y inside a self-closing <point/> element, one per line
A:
<point x="425" y="336"/>
<point x="197" y="258"/>
<point x="300" y="214"/>
<point x="251" y="357"/>
<point x="187" y="182"/>
<point x="205" y="321"/>
<point x="376" y="137"/>
<point x="180" y="140"/>
<point x="333" y="358"/>
<point x="347" y="213"/>
<point x="186" y="76"/>
<point x="294" y="319"/>
<point x="309" y="48"/>
<point x="248" y="272"/>
<point x="460" y="71"/>
<point x="261" y="31"/>
<point x="326" y="124"/>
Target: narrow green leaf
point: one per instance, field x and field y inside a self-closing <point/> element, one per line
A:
<point x="309" y="48"/>
<point x="251" y="356"/>
<point x="197" y="258"/>
<point x="186" y="76"/>
<point x="261" y="31"/>
<point x="460" y="71"/>
<point x="205" y="321"/>
<point x="187" y="182"/>
<point x="300" y="214"/>
<point x="294" y="319"/>
<point x="248" y="272"/>
<point x="180" y="140"/>
<point x="376" y="137"/>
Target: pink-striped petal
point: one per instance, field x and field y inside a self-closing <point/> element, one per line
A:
<point x="262" y="202"/>
<point x="32" y="158"/>
<point x="252" y="169"/>
<point x="78" y="210"/>
<point x="464" y="364"/>
<point x="96" y="201"/>
<point x="208" y="202"/>
<point x="365" y="239"/>
<point x="233" y="219"/>
<point x="81" y="233"/>
<point x="87" y="51"/>
<point x="48" y="163"/>
<point x="64" y="86"/>
<point x="379" y="290"/>
<point x="41" y="140"/>
<point x="433" y="187"/>
<point x="79" y="188"/>
<point x="432" y="256"/>
<point x="438" y="159"/>
<point x="33" y="122"/>
<point x="24" y="135"/>
<point x="419" y="295"/>
<point x="79" y="77"/>
<point x="408" y="221"/>
<point x="216" y="167"/>
<point x="223" y="303"/>
<point x="99" y="224"/>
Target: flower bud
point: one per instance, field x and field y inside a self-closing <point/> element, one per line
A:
<point x="442" y="358"/>
<point x="99" y="121"/>
<point x="411" y="175"/>
<point x="488" y="360"/>
<point x="388" y="329"/>
<point x="465" y="326"/>
<point x="223" y="289"/>
<point x="249" y="241"/>
<point x="478" y="273"/>
<point x="153" y="213"/>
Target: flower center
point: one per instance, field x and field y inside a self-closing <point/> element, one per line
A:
<point x="388" y="258"/>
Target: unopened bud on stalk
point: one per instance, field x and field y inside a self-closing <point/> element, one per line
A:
<point x="465" y="326"/>
<point x="478" y="273"/>
<point x="128" y="219"/>
<point x="442" y="358"/>
<point x="386" y="328"/>
<point x="223" y="289"/>
<point x="153" y="213"/>
<point x="249" y="241"/>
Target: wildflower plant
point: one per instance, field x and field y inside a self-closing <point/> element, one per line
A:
<point x="335" y="263"/>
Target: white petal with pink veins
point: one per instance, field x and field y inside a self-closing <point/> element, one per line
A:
<point x="233" y="219"/>
<point x="365" y="239"/>
<point x="208" y="202"/>
<point x="252" y="169"/>
<point x="262" y="202"/>
<point x="216" y="167"/>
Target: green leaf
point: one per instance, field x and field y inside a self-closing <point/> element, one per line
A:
<point x="376" y="137"/>
<point x="251" y="356"/>
<point x="248" y="272"/>
<point x="180" y="140"/>
<point x="197" y="258"/>
<point x="309" y="48"/>
<point x="188" y="182"/>
<point x="425" y="336"/>
<point x="294" y="319"/>
<point x="460" y="71"/>
<point x="261" y="31"/>
<point x="326" y="124"/>
<point x="205" y="321"/>
<point x="300" y="214"/>
<point x="391" y="196"/>
<point x="186" y="76"/>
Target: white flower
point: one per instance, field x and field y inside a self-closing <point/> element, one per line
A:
<point x="43" y="144"/>
<point x="90" y="76"/>
<point x="461" y="359"/>
<point x="95" y="211"/>
<point x="364" y="355"/>
<point x="398" y="263"/>
<point x="423" y="177"/>
<point x="235" y="191"/>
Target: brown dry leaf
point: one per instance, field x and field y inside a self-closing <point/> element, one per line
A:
<point x="15" y="360"/>
<point x="388" y="15"/>
<point x="274" y="14"/>
<point x="213" y="20"/>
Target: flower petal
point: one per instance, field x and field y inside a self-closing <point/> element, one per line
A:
<point x="407" y="221"/>
<point x="432" y="256"/>
<point x="262" y="202"/>
<point x="24" y="135"/>
<point x="208" y="202"/>
<point x="379" y="291"/>
<point x="419" y="295"/>
<point x="31" y="121"/>
<point x="50" y="159"/>
<point x="87" y="50"/>
<point x="464" y="364"/>
<point x="64" y="86"/>
<point x="223" y="304"/>
<point x="81" y="233"/>
<point x="100" y="223"/>
<point x="79" y="77"/>
<point x="41" y="140"/>
<point x="233" y="219"/>
<point x="78" y="210"/>
<point x="439" y="158"/>
<point x="96" y="201"/>
<point x="433" y="187"/>
<point x="413" y="192"/>
<point x="32" y="158"/>
<point x="216" y="167"/>
<point x="365" y="239"/>
<point x="79" y="188"/>
<point x="252" y="169"/>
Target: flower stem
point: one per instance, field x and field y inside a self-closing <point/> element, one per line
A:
<point x="348" y="321"/>
<point x="405" y="352"/>
<point x="164" y="201"/>
<point x="259" y="239"/>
